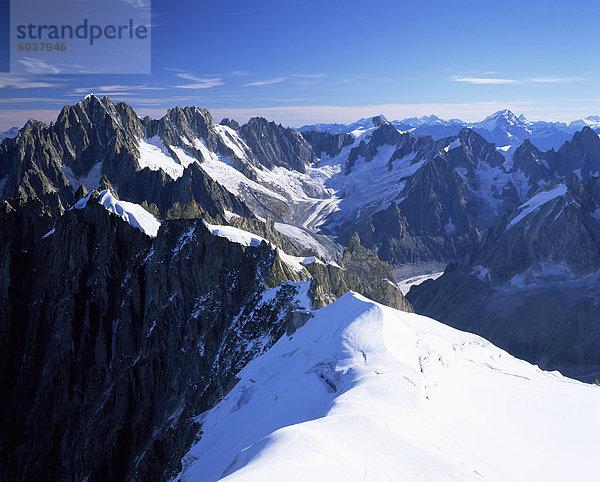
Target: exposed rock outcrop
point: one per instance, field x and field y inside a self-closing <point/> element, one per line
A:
<point x="274" y="145"/>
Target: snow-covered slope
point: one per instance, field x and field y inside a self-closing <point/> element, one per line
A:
<point x="354" y="128"/>
<point x="365" y="392"/>
<point x="592" y="121"/>
<point x="10" y="133"/>
<point x="236" y="235"/>
<point x="536" y="202"/>
<point x="132" y="213"/>
<point x="406" y="284"/>
<point x="155" y="156"/>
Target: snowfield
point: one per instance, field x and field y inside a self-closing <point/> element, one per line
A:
<point x="406" y="284"/>
<point x="131" y="213"/>
<point x="239" y="236"/>
<point x="366" y="392"/>
<point x="537" y="202"/>
<point x="155" y="156"/>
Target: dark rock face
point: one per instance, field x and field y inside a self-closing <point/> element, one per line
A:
<point x="230" y="123"/>
<point x="186" y="122"/>
<point x="193" y="186"/>
<point x="360" y="270"/>
<point x="94" y="131"/>
<point x="330" y="144"/>
<point x="443" y="205"/>
<point x="112" y="341"/>
<point x="581" y="154"/>
<point x="536" y="165"/>
<point x="31" y="167"/>
<point x="561" y="231"/>
<point x="274" y="145"/>
<point x="385" y="134"/>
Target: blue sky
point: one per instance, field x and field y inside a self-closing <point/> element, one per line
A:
<point x="308" y="61"/>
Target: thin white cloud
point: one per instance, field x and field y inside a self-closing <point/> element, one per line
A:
<point x="38" y="66"/>
<point x="31" y="100"/>
<point x="500" y="80"/>
<point x="309" y="76"/>
<point x="99" y="88"/>
<point x="199" y="82"/>
<point x="24" y="82"/>
<point x="556" y="80"/>
<point x="485" y="80"/>
<point x="112" y="88"/>
<point x="276" y="80"/>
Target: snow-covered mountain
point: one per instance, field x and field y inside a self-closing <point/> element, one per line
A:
<point x="318" y="187"/>
<point x="503" y="119"/>
<point x="506" y="129"/>
<point x="428" y="120"/>
<point x="10" y="133"/>
<point x="198" y="245"/>
<point x="365" y="392"/>
<point x="503" y="128"/>
<point x="592" y="121"/>
<point x="355" y="128"/>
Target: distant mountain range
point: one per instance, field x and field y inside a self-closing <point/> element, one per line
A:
<point x="502" y="128"/>
<point x="12" y="132"/>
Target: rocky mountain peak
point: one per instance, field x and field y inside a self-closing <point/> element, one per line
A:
<point x="586" y="136"/>
<point x="80" y="193"/>
<point x="379" y="120"/>
<point x="526" y="144"/>
<point x="479" y="147"/>
<point x="191" y="122"/>
<point x="105" y="185"/>
<point x="32" y="126"/>
<point x="467" y="133"/>
<point x="531" y="161"/>
<point x="386" y="134"/>
<point x="275" y="145"/>
<point x="324" y="142"/>
<point x="230" y="123"/>
<point x="354" y="242"/>
<point x="502" y="119"/>
<point x="581" y="154"/>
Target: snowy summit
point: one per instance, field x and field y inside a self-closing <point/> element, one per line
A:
<point x="365" y="392"/>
